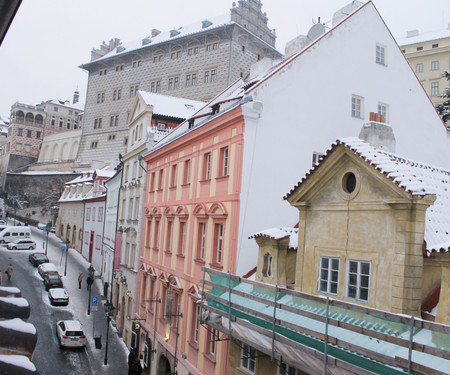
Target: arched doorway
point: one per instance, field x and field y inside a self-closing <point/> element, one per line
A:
<point x="164" y="366"/>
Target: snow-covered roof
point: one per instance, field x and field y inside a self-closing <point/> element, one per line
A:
<point x="85" y="177"/>
<point x="66" y="103"/>
<point x="105" y="172"/>
<point x="414" y="177"/>
<point x="171" y="106"/>
<point x="180" y="32"/>
<point x="279" y="234"/>
<point x="424" y="37"/>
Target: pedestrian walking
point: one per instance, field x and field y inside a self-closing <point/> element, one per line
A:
<point x="9" y="271"/>
<point x="80" y="279"/>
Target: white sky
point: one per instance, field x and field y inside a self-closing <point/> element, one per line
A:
<point x="49" y="39"/>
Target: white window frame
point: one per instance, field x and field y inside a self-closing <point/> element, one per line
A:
<point x="435" y="65"/>
<point x="248" y="358"/>
<point x="357" y="283"/>
<point x="357" y="106"/>
<point x="380" y="56"/>
<point x="434" y="88"/>
<point x="419" y="68"/>
<point x="383" y="109"/>
<point x="328" y="278"/>
<point x="285" y="369"/>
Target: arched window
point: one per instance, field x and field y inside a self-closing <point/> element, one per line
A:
<point x="39" y="119"/>
<point x="29" y="118"/>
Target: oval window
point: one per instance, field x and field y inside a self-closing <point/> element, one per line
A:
<point x="349" y="182"/>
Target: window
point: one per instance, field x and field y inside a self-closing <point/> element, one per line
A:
<point x="212" y="341"/>
<point x="94" y="144"/>
<point x="206" y="80"/>
<point x="194" y="79"/>
<point x="103" y="72"/>
<point x="176" y="82"/>
<point x="267" y="266"/>
<point x="218" y="245"/>
<point x="117" y="93"/>
<point x="357" y="106"/>
<point x="285" y="369"/>
<point x="136" y="63"/>
<point x="189" y="52"/>
<point x="88" y="214"/>
<point x="380" y="55"/>
<point x="98" y="123"/>
<point x="196" y="50"/>
<point x="27" y="148"/>
<point x="169" y="236"/>
<point x="201" y="240"/>
<point x="114" y="120"/>
<point x="160" y="179"/>
<point x="383" y="110"/>
<point x="248" y="358"/>
<point x="133" y="90"/>
<point x="38" y="135"/>
<point x="187" y="172"/>
<point x="434" y="88"/>
<point x="60" y="122"/>
<point x="20" y="132"/>
<point x="182" y="238"/>
<point x="136" y="209"/>
<point x="224" y="161"/>
<point x="208" y="47"/>
<point x="170" y="86"/>
<point x="155" y="86"/>
<point x="188" y="80"/>
<point x="68" y="124"/>
<point x="196" y="324"/>
<point x="157" y="58"/>
<point x="119" y="68"/>
<point x="434" y="65"/>
<point x="243" y="49"/>
<point x="207" y="166"/>
<point x="358" y="277"/>
<point x="436" y="45"/>
<point x="100" y="214"/>
<point x="29" y="133"/>
<point x="93" y="213"/>
<point x="152" y="182"/>
<point x="100" y="97"/>
<point x="215" y="45"/>
<point x="419" y="48"/>
<point x="328" y="275"/>
<point x="213" y="75"/>
<point x="419" y="68"/>
<point x="173" y="176"/>
<point x="53" y="120"/>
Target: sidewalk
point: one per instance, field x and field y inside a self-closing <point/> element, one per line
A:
<point x="94" y="324"/>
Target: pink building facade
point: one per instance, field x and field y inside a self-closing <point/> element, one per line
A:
<point x="192" y="193"/>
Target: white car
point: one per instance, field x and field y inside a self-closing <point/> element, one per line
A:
<point x="21" y="244"/>
<point x="70" y="334"/>
<point x="47" y="268"/>
<point x="58" y="296"/>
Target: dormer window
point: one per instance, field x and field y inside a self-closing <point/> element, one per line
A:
<point x="206" y="23"/>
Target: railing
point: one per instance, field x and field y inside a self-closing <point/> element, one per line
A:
<point x="160" y="134"/>
<point x="340" y="334"/>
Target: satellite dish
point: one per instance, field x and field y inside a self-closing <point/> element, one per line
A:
<point x="315" y="31"/>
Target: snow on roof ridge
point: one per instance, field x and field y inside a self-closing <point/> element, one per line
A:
<point x="278" y="234"/>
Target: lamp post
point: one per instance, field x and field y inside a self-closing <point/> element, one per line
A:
<point x="109" y="309"/>
<point x="67" y="251"/>
<point x="46" y="241"/>
<point x="89" y="281"/>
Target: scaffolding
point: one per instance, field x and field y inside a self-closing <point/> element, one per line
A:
<point x="312" y="332"/>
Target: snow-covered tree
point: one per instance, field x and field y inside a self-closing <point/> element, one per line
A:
<point x="444" y="108"/>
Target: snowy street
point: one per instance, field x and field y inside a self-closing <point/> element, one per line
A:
<point x="48" y="357"/>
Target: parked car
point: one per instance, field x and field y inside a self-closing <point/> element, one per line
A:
<point x="70" y="333"/>
<point x="58" y="296"/>
<point x="45" y="268"/>
<point x="21" y="244"/>
<point x="38" y="258"/>
<point x="2" y="222"/>
<point x="52" y="280"/>
<point x="53" y="229"/>
<point x="10" y="234"/>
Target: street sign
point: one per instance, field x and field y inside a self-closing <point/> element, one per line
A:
<point x="44" y="229"/>
<point x="63" y="248"/>
<point x="94" y="301"/>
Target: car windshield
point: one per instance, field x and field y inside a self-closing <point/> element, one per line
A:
<point x="74" y="333"/>
<point x="40" y="256"/>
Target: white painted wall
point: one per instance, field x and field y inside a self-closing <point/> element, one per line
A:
<point x="97" y="227"/>
<point x="307" y="106"/>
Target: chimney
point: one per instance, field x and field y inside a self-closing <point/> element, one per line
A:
<point x="377" y="133"/>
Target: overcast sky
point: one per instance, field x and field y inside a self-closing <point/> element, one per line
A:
<point x="49" y="39"/>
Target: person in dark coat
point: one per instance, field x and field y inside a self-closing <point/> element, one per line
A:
<point x="9" y="272"/>
<point x="134" y="364"/>
<point x="80" y="279"/>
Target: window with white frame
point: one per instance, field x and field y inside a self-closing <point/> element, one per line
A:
<point x="434" y="65"/>
<point x="380" y="54"/>
<point x="207" y="166"/>
<point x="182" y="238"/>
<point x="218" y="239"/>
<point x="357" y="106"/>
<point x="248" y="358"/>
<point x="196" y="324"/>
<point x="212" y="341"/>
<point x="201" y="240"/>
<point x="224" y="161"/>
<point x="383" y="110"/>
<point x="285" y="369"/>
<point x="358" y="279"/>
<point x="419" y="68"/>
<point x="328" y="275"/>
<point x="434" y="88"/>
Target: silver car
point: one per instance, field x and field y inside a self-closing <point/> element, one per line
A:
<point x="22" y="244"/>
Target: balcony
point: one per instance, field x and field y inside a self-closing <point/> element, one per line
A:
<point x="309" y="331"/>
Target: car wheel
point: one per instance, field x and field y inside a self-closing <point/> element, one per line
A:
<point x="14" y="247"/>
<point x="31" y="248"/>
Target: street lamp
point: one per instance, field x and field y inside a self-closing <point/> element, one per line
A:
<point x="46" y="241"/>
<point x="67" y="251"/>
<point x="109" y="309"/>
<point x="89" y="281"/>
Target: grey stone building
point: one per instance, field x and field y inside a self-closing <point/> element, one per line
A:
<point x="196" y="61"/>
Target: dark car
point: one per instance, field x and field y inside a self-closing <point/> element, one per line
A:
<point x="52" y="280"/>
<point x="38" y="258"/>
